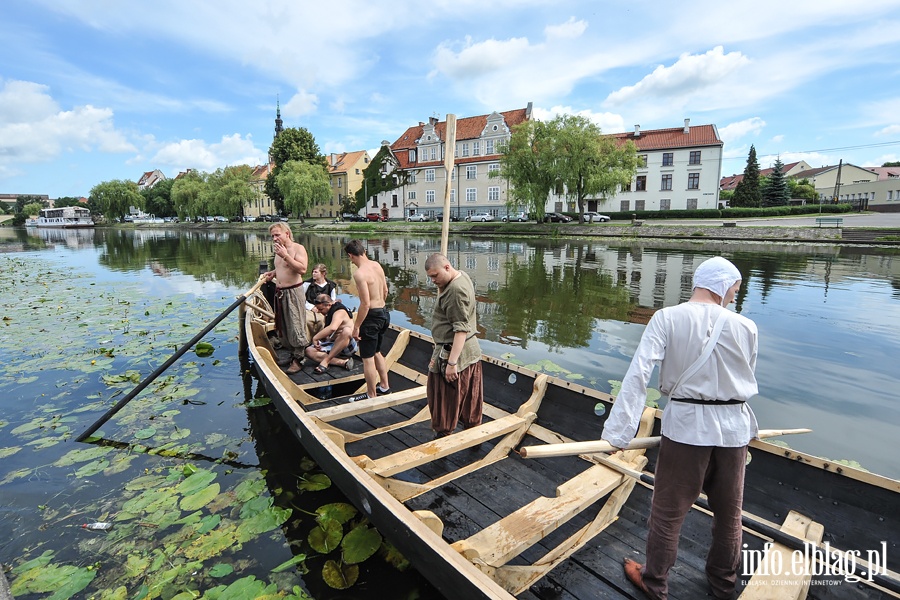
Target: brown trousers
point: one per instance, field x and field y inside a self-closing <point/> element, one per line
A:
<point x="453" y="401"/>
<point x="682" y="472"/>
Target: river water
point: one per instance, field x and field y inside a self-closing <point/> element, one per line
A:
<point x="570" y="307"/>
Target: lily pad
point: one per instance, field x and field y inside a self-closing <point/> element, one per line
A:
<point x="146" y="433"/>
<point x="197" y="481"/>
<point x="338" y="576"/>
<point x="204" y="349"/>
<point x="295" y="560"/>
<point x="326" y="536"/>
<point x="314" y="482"/>
<point x="220" y="570"/>
<point x="200" y="498"/>
<point x="339" y="511"/>
<point x="360" y="543"/>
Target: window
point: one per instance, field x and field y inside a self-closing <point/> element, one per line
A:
<point x="394" y="200"/>
<point x="494" y="169"/>
<point x="640" y="184"/>
<point x="489" y="146"/>
<point x="429" y="196"/>
<point x="465" y="149"/>
<point x="471" y="172"/>
<point x="412" y="195"/>
<point x="890" y="195"/>
<point x="412" y="177"/>
<point x="429" y="174"/>
<point x="668" y="159"/>
<point x="452" y="196"/>
<point x="693" y="181"/>
<point x="433" y="154"/>
<point x="471" y="263"/>
<point x="695" y="157"/>
<point x="665" y="204"/>
<point x="639" y="205"/>
<point x="357" y="171"/>
<point x="642" y="161"/>
<point x="494" y="194"/>
<point x="471" y="195"/>
<point x="412" y="156"/>
<point x="624" y="205"/>
<point x="476" y="148"/>
<point x="666" y="183"/>
<point x="691" y="204"/>
<point x="340" y="181"/>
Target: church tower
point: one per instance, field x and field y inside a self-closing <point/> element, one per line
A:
<point x="279" y="124"/>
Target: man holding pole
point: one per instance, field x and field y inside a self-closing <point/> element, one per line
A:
<point x="290" y="303"/>
<point x="707" y="359"/>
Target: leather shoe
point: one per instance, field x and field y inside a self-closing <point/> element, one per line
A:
<point x="633" y="574"/>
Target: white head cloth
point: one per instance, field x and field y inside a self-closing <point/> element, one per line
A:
<point x="716" y="275"/>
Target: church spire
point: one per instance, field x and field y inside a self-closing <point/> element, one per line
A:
<point x="279" y="124"/>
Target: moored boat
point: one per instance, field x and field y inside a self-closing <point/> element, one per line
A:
<point x="66" y="217"/>
<point x="480" y="521"/>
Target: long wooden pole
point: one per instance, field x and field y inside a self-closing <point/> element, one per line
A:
<point x="449" y="152"/>
<point x="140" y="387"/>
<point x="594" y="446"/>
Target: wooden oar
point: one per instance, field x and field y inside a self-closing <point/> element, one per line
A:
<point x="594" y="446"/>
<point x="140" y="387"/>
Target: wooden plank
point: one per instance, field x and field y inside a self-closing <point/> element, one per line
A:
<point x="445" y="446"/>
<point x="369" y="405"/>
<point x="774" y="577"/>
<point x="505" y="539"/>
<point x="298" y="395"/>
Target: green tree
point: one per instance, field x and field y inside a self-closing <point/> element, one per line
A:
<point x="229" y="189"/>
<point x="115" y="197"/>
<point x="24" y="199"/>
<point x="527" y="162"/>
<point x="303" y="185"/>
<point x="375" y="182"/>
<point x="158" y="199"/>
<point x="190" y="195"/>
<point x="294" y="143"/>
<point x="32" y="209"/>
<point x="67" y="201"/>
<point x="802" y="189"/>
<point x="588" y="163"/>
<point x="747" y="192"/>
<point x="895" y="163"/>
<point x="775" y="190"/>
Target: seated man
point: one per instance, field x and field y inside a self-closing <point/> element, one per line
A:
<point x="335" y="338"/>
<point x="312" y="287"/>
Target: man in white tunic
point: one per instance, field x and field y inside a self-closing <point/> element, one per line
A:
<point x="706" y="425"/>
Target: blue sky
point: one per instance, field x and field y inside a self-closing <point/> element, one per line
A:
<point x="94" y="90"/>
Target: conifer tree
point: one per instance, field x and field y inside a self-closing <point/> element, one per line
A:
<point x="747" y="192"/>
<point x="777" y="192"/>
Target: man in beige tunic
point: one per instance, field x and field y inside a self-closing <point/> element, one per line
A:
<point x="290" y="303"/>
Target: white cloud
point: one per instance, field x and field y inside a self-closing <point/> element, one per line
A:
<point x="301" y="104"/>
<point x="690" y="75"/>
<point x="739" y="129"/>
<point x="608" y="122"/>
<point x="198" y="154"/>
<point x="890" y="130"/>
<point x="33" y="128"/>
<point x="569" y="30"/>
<point x="777" y="139"/>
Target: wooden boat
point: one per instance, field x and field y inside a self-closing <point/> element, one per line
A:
<point x="480" y="521"/>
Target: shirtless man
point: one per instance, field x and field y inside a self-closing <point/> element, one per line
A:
<point x="290" y="303"/>
<point x="372" y="318"/>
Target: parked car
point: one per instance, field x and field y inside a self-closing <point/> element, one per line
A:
<point x="420" y="217"/>
<point x="374" y="217"/>
<point x="554" y="217"/>
<point x="248" y="218"/>
<point x="516" y="216"/>
<point x="440" y="217"/>
<point x="594" y="217"/>
<point x="353" y="217"/>
<point x="219" y="219"/>
<point x="170" y="219"/>
<point x="480" y="217"/>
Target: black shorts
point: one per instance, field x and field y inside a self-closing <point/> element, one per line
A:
<point x="372" y="330"/>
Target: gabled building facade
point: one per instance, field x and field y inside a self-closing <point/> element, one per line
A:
<point x="730" y="182"/>
<point x="679" y="169"/>
<point x="150" y="178"/>
<point x="420" y="151"/>
<point x="345" y="173"/>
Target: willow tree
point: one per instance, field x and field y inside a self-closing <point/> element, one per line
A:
<point x="589" y="164"/>
<point x="527" y="162"/>
<point x="230" y="189"/>
<point x="115" y="197"/>
<point x="303" y="185"/>
<point x="190" y="195"/>
<point x="294" y="143"/>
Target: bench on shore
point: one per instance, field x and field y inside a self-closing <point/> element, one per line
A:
<point x="836" y="221"/>
<point x="729" y="224"/>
